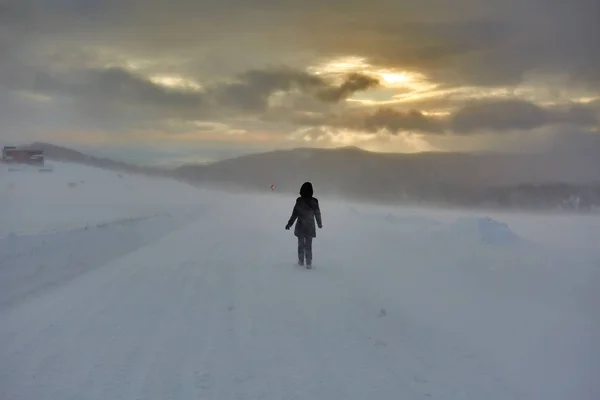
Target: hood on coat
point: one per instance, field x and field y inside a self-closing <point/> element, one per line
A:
<point x="306" y="190"/>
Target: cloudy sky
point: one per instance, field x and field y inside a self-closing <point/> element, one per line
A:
<point x="204" y="79"/>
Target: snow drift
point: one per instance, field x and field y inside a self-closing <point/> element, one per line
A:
<point x="484" y="229"/>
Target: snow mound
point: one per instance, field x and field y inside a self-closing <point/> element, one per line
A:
<point x="485" y="229"/>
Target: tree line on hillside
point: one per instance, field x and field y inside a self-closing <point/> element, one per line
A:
<point x="550" y="196"/>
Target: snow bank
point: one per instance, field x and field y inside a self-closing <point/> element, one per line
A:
<point x="75" y="196"/>
<point x="484" y="229"/>
<point x="416" y="222"/>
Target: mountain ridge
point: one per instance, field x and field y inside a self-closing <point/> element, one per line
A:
<point x="437" y="178"/>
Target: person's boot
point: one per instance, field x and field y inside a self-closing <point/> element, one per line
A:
<point x="309" y="264"/>
<point x="300" y="263"/>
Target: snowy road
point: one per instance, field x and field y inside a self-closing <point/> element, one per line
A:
<point x="217" y="310"/>
<point x="190" y="317"/>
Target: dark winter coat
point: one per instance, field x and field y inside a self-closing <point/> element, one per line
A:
<point x="306" y="211"/>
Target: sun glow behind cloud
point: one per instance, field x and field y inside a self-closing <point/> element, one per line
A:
<point x="405" y="142"/>
<point x="174" y="81"/>
<point x="406" y="88"/>
<point x="392" y="78"/>
<point x="388" y="78"/>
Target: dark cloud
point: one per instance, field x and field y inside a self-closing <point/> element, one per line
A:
<point x="252" y="90"/>
<point x="383" y="119"/>
<point x="354" y="83"/>
<point x="509" y="115"/>
<point x="305" y="118"/>
<point x="462" y="42"/>
<point x="114" y="84"/>
<point x="485" y="43"/>
<point x="26" y="118"/>
<point x="95" y="60"/>
<point x="113" y="94"/>
<point x="577" y="142"/>
<point x="397" y="121"/>
<point x="476" y="117"/>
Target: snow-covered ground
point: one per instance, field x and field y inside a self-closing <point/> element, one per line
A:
<point x="75" y="196"/>
<point x="151" y="289"/>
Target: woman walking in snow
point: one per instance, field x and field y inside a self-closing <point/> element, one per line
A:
<point x="306" y="211"/>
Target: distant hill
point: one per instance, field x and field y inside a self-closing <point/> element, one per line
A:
<point x="466" y="179"/>
<point x="457" y="179"/>
<point x="58" y="153"/>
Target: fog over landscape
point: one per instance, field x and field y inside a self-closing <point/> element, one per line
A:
<point x="153" y="155"/>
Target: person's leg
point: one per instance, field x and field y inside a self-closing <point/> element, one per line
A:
<point x="308" y="250"/>
<point x="300" y="250"/>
